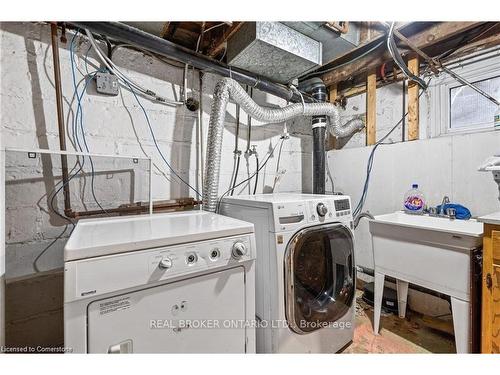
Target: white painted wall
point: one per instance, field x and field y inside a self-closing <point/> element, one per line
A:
<point x="442" y="164"/>
<point x="116" y="125"/>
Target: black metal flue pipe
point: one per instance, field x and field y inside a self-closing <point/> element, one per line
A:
<point x="317" y="89"/>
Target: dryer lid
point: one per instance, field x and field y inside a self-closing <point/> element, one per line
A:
<point x="98" y="237"/>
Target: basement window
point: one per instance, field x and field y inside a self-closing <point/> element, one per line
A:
<point x="470" y="110"/>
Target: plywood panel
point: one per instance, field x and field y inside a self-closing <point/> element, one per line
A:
<point x="490" y="326"/>
<point x="495" y="238"/>
<point x="495" y="311"/>
<point x="495" y="291"/>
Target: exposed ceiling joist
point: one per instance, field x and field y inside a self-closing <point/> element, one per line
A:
<point x="490" y="40"/>
<point x="423" y="39"/>
<point x="219" y="44"/>
<point x="485" y="40"/>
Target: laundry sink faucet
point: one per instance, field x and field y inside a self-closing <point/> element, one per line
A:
<point x="446" y="200"/>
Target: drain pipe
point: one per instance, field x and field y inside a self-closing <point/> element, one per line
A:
<point x="228" y="88"/>
<point x="317" y="89"/>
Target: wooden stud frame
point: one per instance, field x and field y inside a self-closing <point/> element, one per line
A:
<point x="371" y="108"/>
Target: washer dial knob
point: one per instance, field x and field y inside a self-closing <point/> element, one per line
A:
<point x="239" y="249"/>
<point x="321" y="209"/>
<point x="165" y="263"/>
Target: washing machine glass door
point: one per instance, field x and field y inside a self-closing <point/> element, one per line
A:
<point x="319" y="277"/>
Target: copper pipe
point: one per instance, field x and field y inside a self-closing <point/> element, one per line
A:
<point x="141" y="208"/>
<point x="60" y="117"/>
<point x="136" y="208"/>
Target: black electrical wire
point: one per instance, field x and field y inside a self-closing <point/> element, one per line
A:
<point x="133" y="91"/>
<point x="237" y="153"/>
<point x="80" y="112"/>
<point x="238" y="160"/>
<point x="50" y="202"/>
<point x="256" y="174"/>
<point x="468" y="38"/>
<point x="108" y="45"/>
<point x="362" y="200"/>
<point x="396" y="56"/>
<point x="278" y="162"/>
<point x="249" y="178"/>
<point x="232" y="172"/>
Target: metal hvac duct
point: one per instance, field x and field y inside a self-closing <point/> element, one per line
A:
<point x="131" y="35"/>
<point x="230" y="89"/>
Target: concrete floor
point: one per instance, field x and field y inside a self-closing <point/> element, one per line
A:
<point x="414" y="334"/>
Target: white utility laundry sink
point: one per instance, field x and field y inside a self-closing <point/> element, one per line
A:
<point x="464" y="234"/>
<point x="433" y="252"/>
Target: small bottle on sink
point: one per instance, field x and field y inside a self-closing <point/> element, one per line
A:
<point x="414" y="201"/>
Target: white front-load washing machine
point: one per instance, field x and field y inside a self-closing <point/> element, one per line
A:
<point x="162" y="283"/>
<point x="305" y="271"/>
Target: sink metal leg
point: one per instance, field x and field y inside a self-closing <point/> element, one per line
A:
<point x="402" y="291"/>
<point x="379" y="292"/>
<point x="460" y="312"/>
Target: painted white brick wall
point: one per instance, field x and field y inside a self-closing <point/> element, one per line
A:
<point x="115" y="125"/>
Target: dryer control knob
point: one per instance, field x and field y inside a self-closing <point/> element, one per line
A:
<point x="321" y="209"/>
<point x="239" y="249"/>
<point x="165" y="263"/>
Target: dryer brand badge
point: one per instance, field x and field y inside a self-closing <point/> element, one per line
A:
<point x="88" y="293"/>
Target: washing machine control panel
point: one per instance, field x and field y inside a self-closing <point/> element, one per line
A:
<point x="294" y="215"/>
<point x="128" y="270"/>
<point x="337" y="208"/>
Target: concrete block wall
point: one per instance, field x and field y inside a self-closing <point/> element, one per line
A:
<point x="115" y="125"/>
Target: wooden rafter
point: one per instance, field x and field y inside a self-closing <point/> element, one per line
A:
<point x="484" y="40"/>
<point x="423" y="39"/>
<point x="165" y="29"/>
<point x="219" y="44"/>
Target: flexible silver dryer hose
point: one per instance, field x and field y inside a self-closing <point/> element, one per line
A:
<point x="228" y="88"/>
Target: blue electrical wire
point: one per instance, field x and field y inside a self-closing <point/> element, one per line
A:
<point x="79" y="116"/>
<point x="369" y="165"/>
<point x="156" y="143"/>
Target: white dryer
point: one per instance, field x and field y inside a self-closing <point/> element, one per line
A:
<point x="162" y="283"/>
<point x="305" y="271"/>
